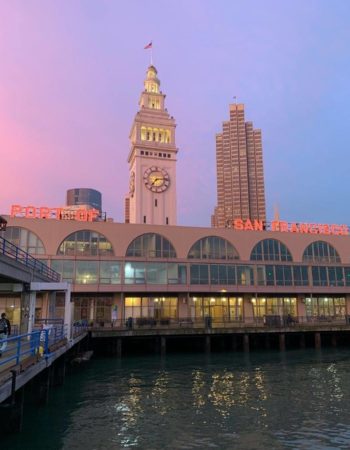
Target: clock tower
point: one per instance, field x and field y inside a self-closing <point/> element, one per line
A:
<point x="152" y="159"/>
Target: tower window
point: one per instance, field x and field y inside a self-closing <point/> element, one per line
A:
<point x="144" y="219"/>
<point x="142" y="152"/>
<point x="148" y="136"/>
<point x="155" y="202"/>
<point x="154" y="136"/>
<point x="167" y="220"/>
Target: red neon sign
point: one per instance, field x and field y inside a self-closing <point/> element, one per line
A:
<point x="291" y="227"/>
<point x="43" y="212"/>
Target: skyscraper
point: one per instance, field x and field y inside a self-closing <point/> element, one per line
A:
<point x="240" y="172"/>
<point x="152" y="159"/>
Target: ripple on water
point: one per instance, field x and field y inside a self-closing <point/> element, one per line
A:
<point x="298" y="400"/>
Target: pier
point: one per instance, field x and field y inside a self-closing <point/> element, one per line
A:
<point x="37" y="348"/>
<point x="217" y="335"/>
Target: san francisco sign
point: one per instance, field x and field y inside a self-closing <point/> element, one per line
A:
<point x="290" y="227"/>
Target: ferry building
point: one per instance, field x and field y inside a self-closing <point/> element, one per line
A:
<point x="158" y="273"/>
<point x="171" y="274"/>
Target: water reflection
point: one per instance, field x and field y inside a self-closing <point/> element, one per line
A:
<point x="158" y="393"/>
<point x="192" y="403"/>
<point x="222" y="392"/>
<point x="254" y="399"/>
<point x="198" y="389"/>
<point x="128" y="410"/>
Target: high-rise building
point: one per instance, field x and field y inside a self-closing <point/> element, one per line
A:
<point x="152" y="159"/>
<point x="86" y="197"/>
<point x="240" y="172"/>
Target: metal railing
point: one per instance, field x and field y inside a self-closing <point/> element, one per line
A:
<point x="12" y="251"/>
<point x="79" y="328"/>
<point x="263" y="322"/>
<point x="16" y="349"/>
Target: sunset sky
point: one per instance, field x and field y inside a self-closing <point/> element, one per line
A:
<point x="71" y="73"/>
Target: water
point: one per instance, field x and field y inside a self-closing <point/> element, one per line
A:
<point x="293" y="400"/>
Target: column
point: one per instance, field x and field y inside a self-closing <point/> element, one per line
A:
<point x="248" y="312"/>
<point x="68" y="309"/>
<point x="246" y="343"/>
<point x="122" y="309"/>
<point x="59" y="371"/>
<point x="234" y="342"/>
<point x="318" y="340"/>
<point x="52" y="305"/>
<point x="91" y="309"/>
<point x="207" y="344"/>
<point x="119" y="348"/>
<point x="162" y="345"/>
<point x="44" y="386"/>
<point x="334" y="340"/>
<point x="25" y="302"/>
<point x="282" y="342"/>
<point x="11" y="413"/>
<point x="31" y="313"/>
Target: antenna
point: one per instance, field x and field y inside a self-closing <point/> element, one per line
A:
<point x="276" y="212"/>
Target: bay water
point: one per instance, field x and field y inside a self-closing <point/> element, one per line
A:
<point x="268" y="400"/>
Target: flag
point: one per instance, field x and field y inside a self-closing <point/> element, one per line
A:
<point x="148" y="46"/>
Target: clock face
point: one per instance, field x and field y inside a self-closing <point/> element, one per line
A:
<point x="156" y="179"/>
<point x="132" y="184"/>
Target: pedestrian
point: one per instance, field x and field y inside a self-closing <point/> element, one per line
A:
<point x="5" y="330"/>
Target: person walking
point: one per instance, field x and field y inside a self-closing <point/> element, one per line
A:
<point x="5" y="330"/>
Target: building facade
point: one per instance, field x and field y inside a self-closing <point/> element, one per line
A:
<point x="240" y="173"/>
<point x="171" y="274"/>
<point x="152" y="159"/>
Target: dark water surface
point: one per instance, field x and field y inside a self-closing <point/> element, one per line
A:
<point x="293" y="400"/>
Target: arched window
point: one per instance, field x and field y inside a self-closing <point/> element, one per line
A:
<point x="270" y="250"/>
<point x="151" y="245"/>
<point x="85" y="243"/>
<point x="321" y="251"/>
<point x="213" y="247"/>
<point x="25" y="239"/>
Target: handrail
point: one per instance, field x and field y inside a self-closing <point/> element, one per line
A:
<point x="37" y="343"/>
<point x="12" y="251"/>
<point x="265" y="322"/>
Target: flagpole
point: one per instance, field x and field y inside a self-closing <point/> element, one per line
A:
<point x="152" y="54"/>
